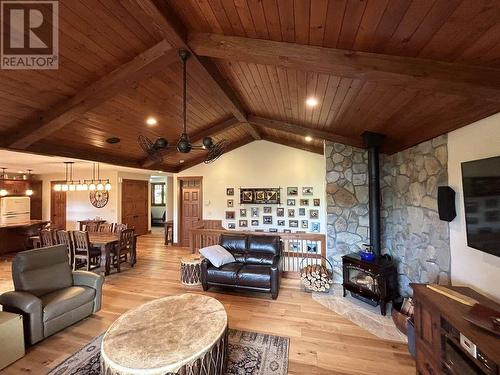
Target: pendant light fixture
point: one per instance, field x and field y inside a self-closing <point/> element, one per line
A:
<point x="29" y="192"/>
<point x="98" y="184"/>
<point x="94" y="184"/>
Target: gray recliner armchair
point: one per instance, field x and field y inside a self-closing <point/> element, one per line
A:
<point x="48" y="294"/>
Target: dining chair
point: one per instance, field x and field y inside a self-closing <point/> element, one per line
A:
<point x="91" y="227"/>
<point x="83" y="252"/>
<point x="120" y="227"/>
<point x="64" y="238"/>
<point x="47" y="237"/>
<point x="125" y="248"/>
<point x="105" y="228"/>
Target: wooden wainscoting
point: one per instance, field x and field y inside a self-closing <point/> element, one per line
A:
<point x="299" y="249"/>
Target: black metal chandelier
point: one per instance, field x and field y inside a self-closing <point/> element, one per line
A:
<point x="184" y="145"/>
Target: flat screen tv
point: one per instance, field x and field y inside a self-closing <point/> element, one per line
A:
<point x="481" y="186"/>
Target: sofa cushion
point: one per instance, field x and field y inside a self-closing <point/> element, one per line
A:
<point x="33" y="270"/>
<point x="254" y="276"/>
<point x="264" y="244"/>
<point x="234" y="243"/>
<point x="226" y="274"/>
<point x="259" y="258"/>
<point x="217" y="255"/>
<point x="64" y="300"/>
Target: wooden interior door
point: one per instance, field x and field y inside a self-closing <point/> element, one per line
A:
<point x="190" y="206"/>
<point x="135" y="204"/>
<point x="57" y="207"/>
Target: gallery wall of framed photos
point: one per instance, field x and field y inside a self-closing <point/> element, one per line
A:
<point x="272" y="209"/>
<point x="264" y="165"/>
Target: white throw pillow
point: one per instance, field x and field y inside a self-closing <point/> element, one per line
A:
<point x="217" y="255"/>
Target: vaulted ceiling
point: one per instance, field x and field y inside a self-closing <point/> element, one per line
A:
<point x="411" y="70"/>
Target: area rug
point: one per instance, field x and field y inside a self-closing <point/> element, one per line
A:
<point x="250" y="353"/>
<point x="360" y="313"/>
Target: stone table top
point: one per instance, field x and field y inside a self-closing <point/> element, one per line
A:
<point x="163" y="335"/>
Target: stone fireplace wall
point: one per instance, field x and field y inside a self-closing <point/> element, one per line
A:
<point x="411" y="230"/>
<point x="347" y="202"/>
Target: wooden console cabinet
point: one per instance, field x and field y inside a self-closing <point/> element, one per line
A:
<point x="438" y="321"/>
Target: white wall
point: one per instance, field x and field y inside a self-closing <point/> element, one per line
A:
<point x="258" y="164"/>
<point x="469" y="266"/>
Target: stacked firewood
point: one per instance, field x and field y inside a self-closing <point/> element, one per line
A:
<point x="316" y="277"/>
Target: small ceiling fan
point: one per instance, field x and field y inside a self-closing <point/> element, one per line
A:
<point x="154" y="149"/>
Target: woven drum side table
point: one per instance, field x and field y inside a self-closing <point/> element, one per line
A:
<point x="184" y="334"/>
<point x="191" y="270"/>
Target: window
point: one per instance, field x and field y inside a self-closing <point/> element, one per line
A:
<point x="158" y="194"/>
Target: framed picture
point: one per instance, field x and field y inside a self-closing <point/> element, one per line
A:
<point x="304" y="224"/>
<point x="255" y="211"/>
<point x="312" y="247"/>
<point x="267" y="210"/>
<point x="260" y="196"/>
<point x="302" y="211"/>
<point x="255" y="223"/>
<point x="229" y="191"/>
<point x="273" y="230"/>
<point x="271" y="196"/>
<point x="231" y="225"/>
<point x="292" y="190"/>
<point x="287" y="231"/>
<point x="230" y="215"/>
<point x="291" y="212"/>
<point x="313" y="214"/>
<point x="230" y="203"/>
<point x="304" y="202"/>
<point x="316" y="202"/>
<point x="293" y="223"/>
<point x="307" y="190"/>
<point x="280" y="212"/>
<point x="243" y="212"/>
<point x="290" y="202"/>
<point x="243" y="223"/>
<point x="267" y="219"/>
<point x="315" y="227"/>
<point x="281" y="223"/>
<point x="246" y="197"/>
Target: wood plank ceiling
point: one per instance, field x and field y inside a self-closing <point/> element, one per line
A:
<point x="411" y="70"/>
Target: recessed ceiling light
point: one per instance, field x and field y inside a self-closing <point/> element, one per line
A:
<point x="113" y="140"/>
<point x="159" y="171"/>
<point x="151" y="121"/>
<point x="181" y="161"/>
<point x="312" y="102"/>
<point x="308" y="138"/>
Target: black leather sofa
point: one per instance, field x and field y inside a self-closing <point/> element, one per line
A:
<point x="257" y="266"/>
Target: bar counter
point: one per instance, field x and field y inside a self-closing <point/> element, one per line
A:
<point x="15" y="237"/>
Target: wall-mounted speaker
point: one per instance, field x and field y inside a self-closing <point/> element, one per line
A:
<point x="446" y="203"/>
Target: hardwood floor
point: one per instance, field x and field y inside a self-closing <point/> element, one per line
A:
<point x="321" y="342"/>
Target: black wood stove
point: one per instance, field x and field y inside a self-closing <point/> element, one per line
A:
<point x="375" y="282"/>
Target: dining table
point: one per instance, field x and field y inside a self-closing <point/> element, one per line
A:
<point x="106" y="242"/>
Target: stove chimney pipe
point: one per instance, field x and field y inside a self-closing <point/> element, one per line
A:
<point x="372" y="142"/>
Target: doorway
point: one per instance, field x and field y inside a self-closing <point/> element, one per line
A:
<point x="135" y="205"/>
<point x="57" y="207"/>
<point x="190" y="205"/>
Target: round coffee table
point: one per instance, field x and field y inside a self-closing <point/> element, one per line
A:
<point x="191" y="270"/>
<point x="184" y="334"/>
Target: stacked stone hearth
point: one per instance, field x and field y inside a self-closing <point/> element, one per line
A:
<point x="411" y="230"/>
<point x="347" y="200"/>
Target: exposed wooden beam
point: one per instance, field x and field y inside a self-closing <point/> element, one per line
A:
<point x="51" y="149"/>
<point x="210" y="131"/>
<point x="303" y="130"/>
<point x="421" y="74"/>
<point x="125" y="76"/>
<point x="164" y="19"/>
<point x="254" y="131"/>
<point x="290" y="143"/>
<point x="231" y="147"/>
